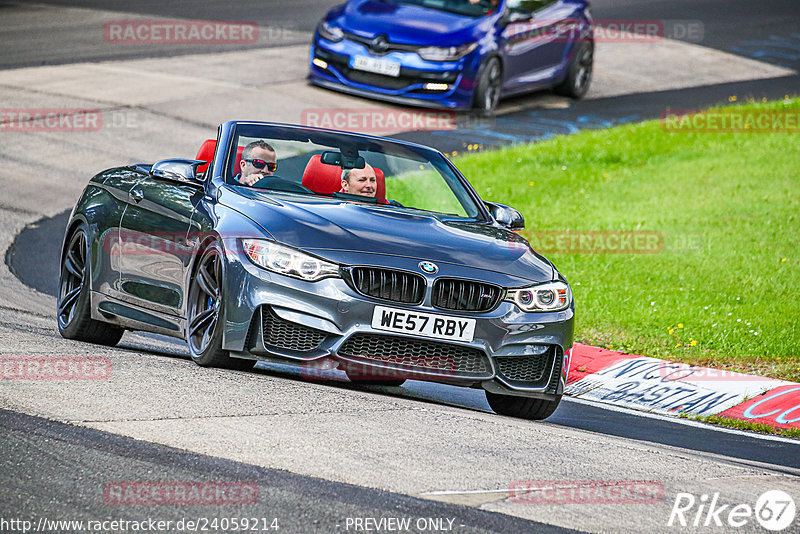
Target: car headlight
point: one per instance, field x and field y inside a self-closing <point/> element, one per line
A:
<point x="447" y="53"/>
<point x="552" y="296"/>
<point x="284" y="260"/>
<point x="330" y="32"/>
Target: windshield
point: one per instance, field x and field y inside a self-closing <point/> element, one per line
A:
<point x="469" y="8"/>
<point x="347" y="168"/>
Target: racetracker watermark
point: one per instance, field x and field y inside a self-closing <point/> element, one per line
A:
<point x="180" y="493"/>
<point x="50" y="120"/>
<point x="180" y="32"/>
<point x="419" y="368"/>
<point x="132" y="243"/>
<point x="586" y="492"/>
<point x="732" y="121"/>
<point x="604" y="31"/>
<point x="596" y="242"/>
<point x="55" y="368"/>
<point x="378" y="120"/>
<point x="672" y="372"/>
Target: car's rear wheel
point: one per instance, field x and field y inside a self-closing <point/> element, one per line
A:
<point x="74" y="303"/>
<point x="367" y="375"/>
<point x="522" y="407"/>
<point x="487" y="90"/>
<point x="203" y="322"/>
<point x="579" y="76"/>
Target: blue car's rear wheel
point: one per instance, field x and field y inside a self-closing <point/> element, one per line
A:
<point x="74" y="312"/>
<point x="522" y="407"/>
<point x="203" y="322"/>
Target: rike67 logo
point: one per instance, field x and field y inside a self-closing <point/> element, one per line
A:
<point x="774" y="510"/>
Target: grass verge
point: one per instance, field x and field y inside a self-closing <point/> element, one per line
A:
<point x="746" y="425"/>
<point x="721" y="290"/>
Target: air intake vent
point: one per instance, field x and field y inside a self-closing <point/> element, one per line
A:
<point x="465" y="295"/>
<point x="417" y="354"/>
<point x="288" y="335"/>
<point x="386" y="284"/>
<point x="524" y="368"/>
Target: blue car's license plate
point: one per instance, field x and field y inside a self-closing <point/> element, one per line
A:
<point x="378" y="66"/>
<point x="423" y="324"/>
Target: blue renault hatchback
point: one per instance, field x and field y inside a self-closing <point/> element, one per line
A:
<point x="454" y="53"/>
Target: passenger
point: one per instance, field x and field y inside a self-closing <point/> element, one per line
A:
<point x="258" y="160"/>
<point x="360" y="181"/>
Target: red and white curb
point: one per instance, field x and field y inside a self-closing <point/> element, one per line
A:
<point x="670" y="388"/>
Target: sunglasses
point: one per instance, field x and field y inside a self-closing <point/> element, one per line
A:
<point x="260" y="164"/>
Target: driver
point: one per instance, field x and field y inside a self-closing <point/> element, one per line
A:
<point x="360" y="181"/>
<point x="258" y="160"/>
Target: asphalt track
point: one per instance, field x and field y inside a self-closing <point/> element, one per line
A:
<point x="300" y="504"/>
<point x="44" y="277"/>
<point x="57" y="470"/>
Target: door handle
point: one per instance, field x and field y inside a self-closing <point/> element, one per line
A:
<point x="136" y="195"/>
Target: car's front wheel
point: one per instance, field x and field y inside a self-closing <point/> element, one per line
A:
<point x="203" y="320"/>
<point x="488" y="87"/>
<point x="74" y="304"/>
<point x="522" y="407"/>
<point x="579" y="76"/>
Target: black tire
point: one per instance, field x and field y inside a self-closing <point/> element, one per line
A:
<point x="522" y="407"/>
<point x="579" y="76"/>
<point x="204" y="307"/>
<point x="489" y="86"/>
<point x="74" y="314"/>
<point x="366" y="375"/>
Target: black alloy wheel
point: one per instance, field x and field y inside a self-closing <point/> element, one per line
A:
<point x="204" y="310"/>
<point x="74" y="313"/>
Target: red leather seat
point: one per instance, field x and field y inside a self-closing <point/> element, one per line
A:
<point x="206" y="153"/>
<point x="327" y="179"/>
<point x="237" y="164"/>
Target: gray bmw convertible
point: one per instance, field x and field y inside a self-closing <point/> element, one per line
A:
<point x="322" y="250"/>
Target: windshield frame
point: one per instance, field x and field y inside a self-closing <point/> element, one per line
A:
<point x="233" y="130"/>
<point x="421" y="3"/>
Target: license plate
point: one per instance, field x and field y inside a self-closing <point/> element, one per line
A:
<point x="423" y="324"/>
<point x="379" y="66"/>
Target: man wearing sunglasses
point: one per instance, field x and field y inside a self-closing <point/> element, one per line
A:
<point x="258" y="160"/>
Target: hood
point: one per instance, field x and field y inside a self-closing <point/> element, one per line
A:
<point x="409" y="24"/>
<point x="332" y="228"/>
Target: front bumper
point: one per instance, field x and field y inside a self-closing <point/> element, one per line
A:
<point x="319" y="325"/>
<point x="407" y="88"/>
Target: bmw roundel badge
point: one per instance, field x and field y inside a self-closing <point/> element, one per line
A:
<point x="428" y="267"/>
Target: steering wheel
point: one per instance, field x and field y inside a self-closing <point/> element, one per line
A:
<point x="281" y="184"/>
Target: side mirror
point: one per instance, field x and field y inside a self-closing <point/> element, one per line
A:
<point x="178" y="170"/>
<point x="506" y="215"/>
